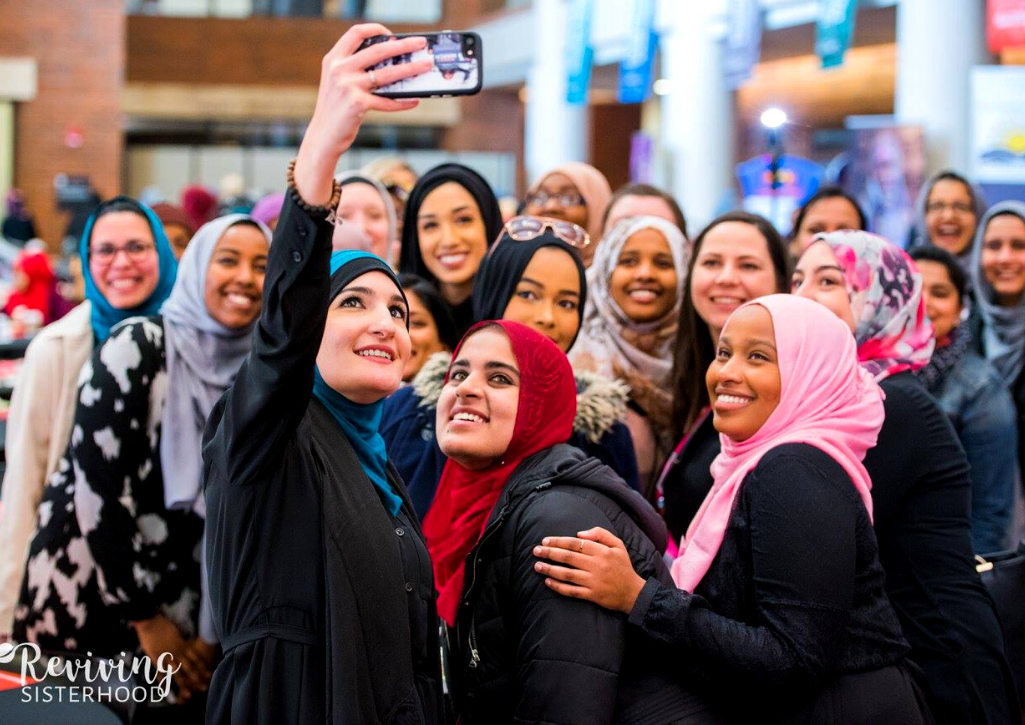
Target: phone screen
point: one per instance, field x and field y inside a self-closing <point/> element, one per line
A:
<point x="456" y="68"/>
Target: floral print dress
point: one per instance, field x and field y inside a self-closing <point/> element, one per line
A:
<point x="106" y="551"/>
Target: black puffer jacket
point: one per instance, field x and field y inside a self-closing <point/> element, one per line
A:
<point x="520" y="652"/>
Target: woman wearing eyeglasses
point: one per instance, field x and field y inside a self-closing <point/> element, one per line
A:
<point x="635" y="287"/>
<point x="129" y="268"/>
<point x="948" y="214"/>
<point x="532" y="275"/>
<point x="574" y="192"/>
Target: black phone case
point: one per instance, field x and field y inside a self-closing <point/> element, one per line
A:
<point x="441" y="92"/>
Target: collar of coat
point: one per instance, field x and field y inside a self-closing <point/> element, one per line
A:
<point x="601" y="403"/>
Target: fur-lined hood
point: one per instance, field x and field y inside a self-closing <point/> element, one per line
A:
<point x="601" y="403"/>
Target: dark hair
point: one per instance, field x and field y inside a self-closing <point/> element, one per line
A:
<point x="436" y="305"/>
<point x="694" y="350"/>
<point x="951" y="175"/>
<point x="647" y="190"/>
<point x="941" y="256"/>
<point x="827" y="192"/>
<point x="117" y="205"/>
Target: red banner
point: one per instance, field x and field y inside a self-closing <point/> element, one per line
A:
<point x="1005" y="24"/>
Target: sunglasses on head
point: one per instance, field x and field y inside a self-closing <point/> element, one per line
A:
<point x="525" y="228"/>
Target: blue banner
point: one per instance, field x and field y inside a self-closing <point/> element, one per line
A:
<point x="743" y="41"/>
<point x="635" y="70"/>
<point x="578" y="51"/>
<point x="834" y="30"/>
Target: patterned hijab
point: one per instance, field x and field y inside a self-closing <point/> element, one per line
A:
<point x="465" y="498"/>
<point x="608" y="337"/>
<point x="1003" y="328"/>
<point x="203" y="357"/>
<point x="893" y="332"/>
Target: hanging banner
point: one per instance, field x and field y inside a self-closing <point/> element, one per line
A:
<point x="635" y="70"/>
<point x="998" y="131"/>
<point x="1005" y="24"/>
<point x="579" y="51"/>
<point x="834" y="30"/>
<point x="743" y="41"/>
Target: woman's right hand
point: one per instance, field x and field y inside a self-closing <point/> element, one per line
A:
<point x="343" y="99"/>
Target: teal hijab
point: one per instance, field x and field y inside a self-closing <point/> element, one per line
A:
<point x="104" y="315"/>
<point x="360" y="423"/>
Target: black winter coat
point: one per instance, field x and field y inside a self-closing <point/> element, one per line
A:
<point x="522" y="653"/>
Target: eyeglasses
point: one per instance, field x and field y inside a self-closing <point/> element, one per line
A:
<point x="938" y="207"/>
<point x="136" y="251"/>
<point x="525" y="228"/>
<point x="540" y="198"/>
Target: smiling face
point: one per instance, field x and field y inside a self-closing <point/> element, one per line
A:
<point x="365" y="346"/>
<point x="234" y="279"/>
<point x="830" y="214"/>
<point x="743" y="380"/>
<point x="950" y="216"/>
<point x="362" y="206"/>
<point x="1003" y="258"/>
<point x="477" y="409"/>
<point x="554" y="188"/>
<point x="643" y="283"/>
<point x="126" y="280"/>
<point x="732" y="267"/>
<point x="942" y="301"/>
<point x="547" y="297"/>
<point x="453" y="238"/>
<point x="820" y="277"/>
<point x="423" y="336"/>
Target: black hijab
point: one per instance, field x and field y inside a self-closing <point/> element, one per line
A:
<point x="502" y="269"/>
<point x="410" y="259"/>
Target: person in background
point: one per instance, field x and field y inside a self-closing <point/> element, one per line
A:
<point x="971" y="393"/>
<point x="177" y="226"/>
<point x="643" y="200"/>
<point x="738" y="257"/>
<point x="115" y="564"/>
<point x="232" y="195"/>
<point x="430" y="324"/>
<point x="199" y="204"/>
<point x="949" y="209"/>
<point x="778" y="613"/>
<point x="519" y="653"/>
<point x="366" y="204"/>
<point x="18" y="225"/>
<point x="33" y="285"/>
<point x="532" y="276"/>
<point x="451" y="220"/>
<point x="129" y="269"/>
<point x="921" y="482"/>
<point x="575" y="192"/>
<point x="998" y="276"/>
<point x="398" y="178"/>
<point x="829" y="209"/>
<point x="268" y="209"/>
<point x="635" y="289"/>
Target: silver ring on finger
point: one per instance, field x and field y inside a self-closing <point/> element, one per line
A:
<point x="373" y="81"/>
<point x="581" y="545"/>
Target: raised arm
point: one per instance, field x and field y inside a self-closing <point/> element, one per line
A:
<point x="260" y="412"/>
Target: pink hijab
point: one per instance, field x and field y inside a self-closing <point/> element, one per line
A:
<point x="826" y="400"/>
<point x="592" y="185"/>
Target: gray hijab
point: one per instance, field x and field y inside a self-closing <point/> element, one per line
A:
<point x="203" y="357"/>
<point x="922" y="227"/>
<point x="1003" y="328"/>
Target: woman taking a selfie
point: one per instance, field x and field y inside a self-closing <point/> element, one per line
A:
<point x="321" y="583"/>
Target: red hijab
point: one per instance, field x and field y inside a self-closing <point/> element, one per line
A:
<point x="36" y="267"/>
<point x="465" y="498"/>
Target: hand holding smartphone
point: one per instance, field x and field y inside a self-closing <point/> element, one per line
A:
<point x="457" y="69"/>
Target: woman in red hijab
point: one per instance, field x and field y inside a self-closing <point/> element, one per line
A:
<point x="33" y="284"/>
<point x="519" y="652"/>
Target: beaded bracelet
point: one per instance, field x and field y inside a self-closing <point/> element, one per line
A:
<point x="328" y="209"/>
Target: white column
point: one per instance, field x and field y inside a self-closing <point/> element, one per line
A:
<point x="697" y="117"/>
<point x="938" y="42"/>
<point x="6" y="149"/>
<point x="555" y="131"/>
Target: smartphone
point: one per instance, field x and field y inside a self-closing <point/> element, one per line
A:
<point x="457" y="67"/>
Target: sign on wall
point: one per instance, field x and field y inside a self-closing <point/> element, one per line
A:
<point x="1005" y="24"/>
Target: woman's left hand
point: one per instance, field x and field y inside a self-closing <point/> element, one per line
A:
<point x="601" y="570"/>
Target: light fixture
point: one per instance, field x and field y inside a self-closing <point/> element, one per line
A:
<point x="662" y="87"/>
<point x="773" y="118"/>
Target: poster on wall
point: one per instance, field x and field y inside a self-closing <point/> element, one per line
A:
<point x="777" y="197"/>
<point x="886" y="174"/>
<point x="998" y="131"/>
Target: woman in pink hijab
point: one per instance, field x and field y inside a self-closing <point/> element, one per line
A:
<point x="779" y="593"/>
<point x="574" y="192"/>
